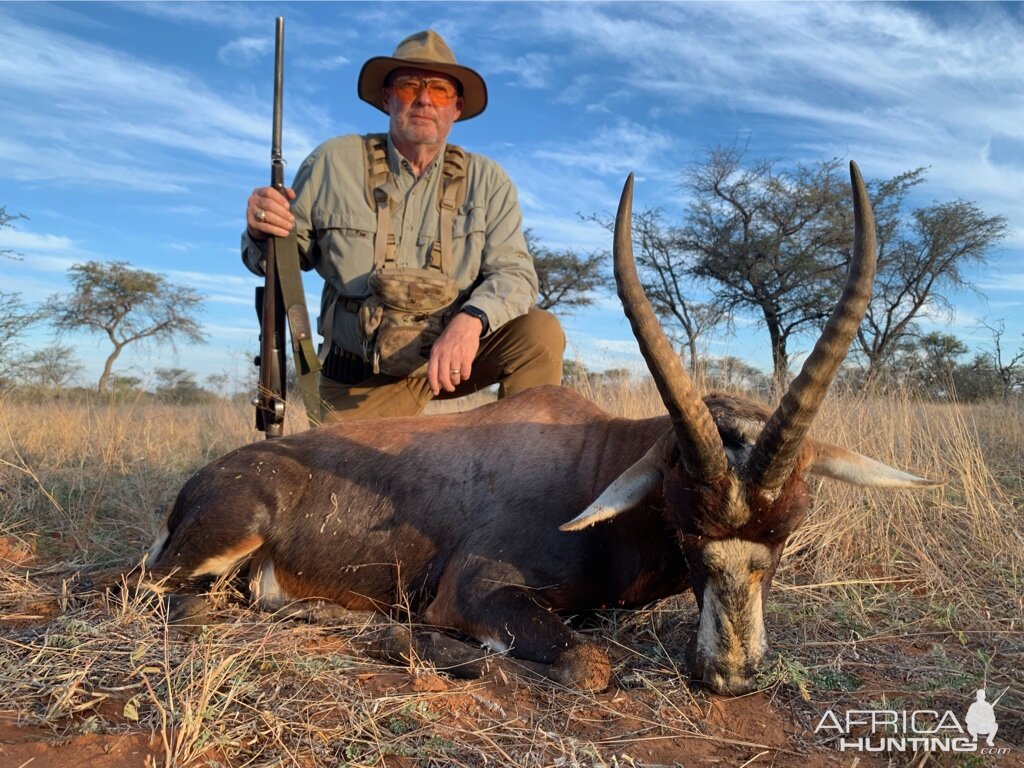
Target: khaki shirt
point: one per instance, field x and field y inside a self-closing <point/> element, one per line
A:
<point x="335" y="228"/>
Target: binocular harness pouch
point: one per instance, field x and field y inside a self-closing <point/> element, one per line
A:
<point x="405" y="313"/>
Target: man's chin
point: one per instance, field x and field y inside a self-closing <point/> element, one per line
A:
<point x="428" y="137"/>
<point x="419" y="127"/>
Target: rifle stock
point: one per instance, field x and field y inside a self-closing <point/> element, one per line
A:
<point x="270" y="402"/>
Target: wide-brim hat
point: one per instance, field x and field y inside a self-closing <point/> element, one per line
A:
<point x="423" y="50"/>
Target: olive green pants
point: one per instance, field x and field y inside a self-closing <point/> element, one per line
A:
<point x="523" y="353"/>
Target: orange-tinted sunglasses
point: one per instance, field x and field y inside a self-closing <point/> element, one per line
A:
<point x="440" y="92"/>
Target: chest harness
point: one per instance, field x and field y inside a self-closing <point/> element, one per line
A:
<point x="381" y="192"/>
<point x="406" y="306"/>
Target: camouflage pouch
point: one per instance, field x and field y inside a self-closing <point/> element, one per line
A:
<point x="402" y="318"/>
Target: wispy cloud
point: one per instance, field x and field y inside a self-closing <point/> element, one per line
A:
<point x="66" y="166"/>
<point x="1007" y="281"/>
<point x="41" y="253"/>
<point x="531" y="70"/>
<point x="235" y="289"/>
<point x="71" y="119"/>
<point x="615" y="149"/>
<point x="326" y="63"/>
<point x="42" y="261"/>
<point x="864" y="75"/>
<point x="244" y="332"/>
<point x="243" y="51"/>
<point x="187" y="210"/>
<point x="880" y="53"/>
<point x="228" y="15"/>
<point x="29" y="241"/>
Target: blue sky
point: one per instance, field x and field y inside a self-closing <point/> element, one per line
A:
<point x="135" y="131"/>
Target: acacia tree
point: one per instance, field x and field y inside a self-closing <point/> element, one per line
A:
<point x="977" y="380"/>
<point x="53" y="366"/>
<point x="1009" y="370"/>
<point x="178" y="385"/>
<point x="667" y="277"/>
<point x="15" y="318"/>
<point x="921" y="256"/>
<point x="928" y="364"/>
<point x="5" y="223"/>
<point x="565" y="279"/>
<point x="128" y="305"/>
<point x="770" y="240"/>
<point x="732" y="372"/>
<point x="665" y="267"/>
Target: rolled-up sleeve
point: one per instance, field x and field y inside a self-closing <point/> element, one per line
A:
<point x="254" y="254"/>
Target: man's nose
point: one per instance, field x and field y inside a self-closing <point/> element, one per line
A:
<point x="423" y="98"/>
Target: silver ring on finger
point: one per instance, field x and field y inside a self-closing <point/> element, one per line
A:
<point x="259" y="214"/>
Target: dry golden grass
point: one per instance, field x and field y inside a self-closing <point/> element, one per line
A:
<point x="913" y="595"/>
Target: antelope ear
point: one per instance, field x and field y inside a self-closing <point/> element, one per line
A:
<point x="629" y="488"/>
<point x="851" y="467"/>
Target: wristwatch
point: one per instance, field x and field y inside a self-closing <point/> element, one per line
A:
<point x="479" y="314"/>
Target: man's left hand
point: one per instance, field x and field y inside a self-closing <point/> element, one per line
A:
<point x="451" y="357"/>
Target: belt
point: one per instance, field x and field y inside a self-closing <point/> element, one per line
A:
<point x="345" y="367"/>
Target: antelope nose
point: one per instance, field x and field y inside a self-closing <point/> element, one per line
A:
<point x="729" y="684"/>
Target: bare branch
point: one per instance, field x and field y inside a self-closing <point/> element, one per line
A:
<point x="5" y="222"/>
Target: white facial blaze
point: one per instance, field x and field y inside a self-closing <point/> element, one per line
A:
<point x="757" y="637"/>
<point x="707" y="632"/>
<point x="731" y="634"/>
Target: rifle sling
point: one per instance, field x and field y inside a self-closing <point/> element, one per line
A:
<point x="289" y="278"/>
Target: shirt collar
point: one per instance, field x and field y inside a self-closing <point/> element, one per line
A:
<point x="397" y="163"/>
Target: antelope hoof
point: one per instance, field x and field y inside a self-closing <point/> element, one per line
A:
<point x="394" y="645"/>
<point x="585" y="667"/>
<point x="188" y="613"/>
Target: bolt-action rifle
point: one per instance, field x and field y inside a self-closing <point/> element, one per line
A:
<point x="282" y="296"/>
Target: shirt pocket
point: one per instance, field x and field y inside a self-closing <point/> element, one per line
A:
<point x="345" y="240"/>
<point x="469" y="233"/>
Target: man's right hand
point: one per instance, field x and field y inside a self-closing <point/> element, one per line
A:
<point x="268" y="214"/>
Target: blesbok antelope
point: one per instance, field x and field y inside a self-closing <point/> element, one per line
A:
<point x="462" y="516"/>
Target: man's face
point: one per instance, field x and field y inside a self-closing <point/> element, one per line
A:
<point x="417" y="118"/>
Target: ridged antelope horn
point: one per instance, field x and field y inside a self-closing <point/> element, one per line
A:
<point x="774" y="453"/>
<point x="703" y="454"/>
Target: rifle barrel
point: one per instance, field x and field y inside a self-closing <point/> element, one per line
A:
<point x="270" y="402"/>
<point x="276" y="159"/>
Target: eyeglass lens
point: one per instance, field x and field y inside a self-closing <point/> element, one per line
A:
<point x="440" y="91"/>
